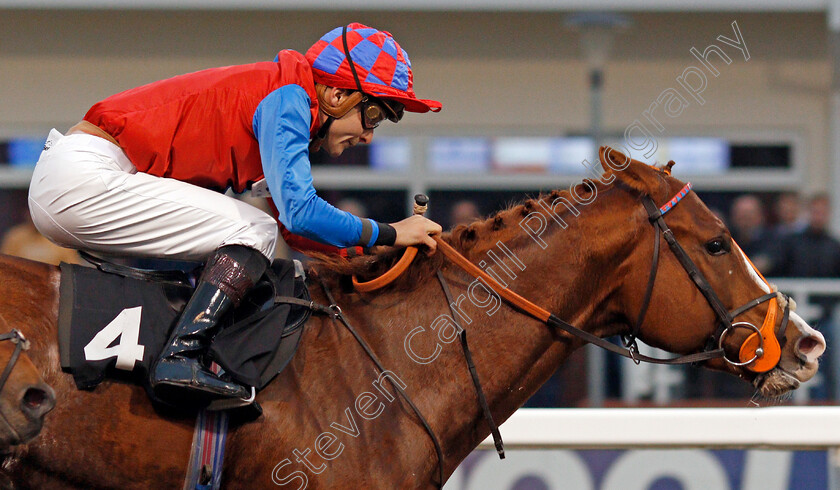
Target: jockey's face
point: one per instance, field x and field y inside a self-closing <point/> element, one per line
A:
<point x="346" y="131"/>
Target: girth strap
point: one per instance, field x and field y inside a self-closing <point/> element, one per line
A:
<point x="335" y="312"/>
<point x="482" y="399"/>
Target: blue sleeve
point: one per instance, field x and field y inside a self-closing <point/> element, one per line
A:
<point x="281" y="125"/>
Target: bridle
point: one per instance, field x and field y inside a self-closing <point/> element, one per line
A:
<point x="21" y="344"/>
<point x="761" y="351"/>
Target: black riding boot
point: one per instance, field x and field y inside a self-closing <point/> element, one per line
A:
<point x="179" y="371"/>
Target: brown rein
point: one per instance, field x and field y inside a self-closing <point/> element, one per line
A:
<point x="550" y="319"/>
<point x="21" y="344"/>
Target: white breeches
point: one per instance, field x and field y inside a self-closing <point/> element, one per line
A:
<point x="86" y="194"/>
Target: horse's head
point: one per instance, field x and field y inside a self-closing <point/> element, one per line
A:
<point x="24" y="396"/>
<point x="708" y="295"/>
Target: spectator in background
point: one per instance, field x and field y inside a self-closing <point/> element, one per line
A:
<point x="812" y="252"/>
<point x="789" y="217"/>
<point x="747" y="225"/>
<point x="463" y="213"/>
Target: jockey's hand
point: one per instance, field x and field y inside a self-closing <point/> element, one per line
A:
<point x="416" y="230"/>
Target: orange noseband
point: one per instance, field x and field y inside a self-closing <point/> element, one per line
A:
<point x="761" y="351"/>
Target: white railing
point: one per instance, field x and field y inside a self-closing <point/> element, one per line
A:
<point x="649" y="444"/>
<point x="623" y="428"/>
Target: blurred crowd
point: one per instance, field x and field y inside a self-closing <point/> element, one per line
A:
<point x="789" y="237"/>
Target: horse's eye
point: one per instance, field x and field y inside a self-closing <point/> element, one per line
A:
<point x="718" y="246"/>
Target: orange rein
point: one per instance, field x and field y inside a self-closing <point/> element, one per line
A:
<point x="389" y="277"/>
<point x="463" y="263"/>
<point x="421" y="203"/>
<point x="758" y="360"/>
<point x="473" y="270"/>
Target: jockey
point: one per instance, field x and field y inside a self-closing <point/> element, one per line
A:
<point x="143" y="174"/>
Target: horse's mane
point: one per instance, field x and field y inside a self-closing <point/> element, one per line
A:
<point x="467" y="239"/>
<point x="480" y="235"/>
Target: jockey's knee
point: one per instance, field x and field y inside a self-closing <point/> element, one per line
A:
<point x="261" y="235"/>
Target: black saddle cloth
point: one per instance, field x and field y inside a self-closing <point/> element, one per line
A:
<point x="114" y="324"/>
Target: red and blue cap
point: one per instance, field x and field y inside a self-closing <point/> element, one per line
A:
<point x="381" y="65"/>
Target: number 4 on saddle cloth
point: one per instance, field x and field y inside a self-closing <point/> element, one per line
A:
<point x="114" y="320"/>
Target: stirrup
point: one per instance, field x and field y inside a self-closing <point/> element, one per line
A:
<point x="228" y="403"/>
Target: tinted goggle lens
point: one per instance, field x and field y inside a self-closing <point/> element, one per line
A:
<point x="373" y="115"/>
<point x="373" y="112"/>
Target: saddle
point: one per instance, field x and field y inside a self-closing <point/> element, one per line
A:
<point x="114" y="320"/>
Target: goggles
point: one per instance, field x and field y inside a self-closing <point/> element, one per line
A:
<point x="374" y="111"/>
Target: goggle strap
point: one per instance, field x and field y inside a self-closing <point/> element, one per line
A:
<point x="349" y="59"/>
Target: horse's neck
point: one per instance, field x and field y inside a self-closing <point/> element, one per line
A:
<point x="514" y="354"/>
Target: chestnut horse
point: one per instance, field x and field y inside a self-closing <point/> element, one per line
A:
<point x="24" y="396"/>
<point x="330" y="418"/>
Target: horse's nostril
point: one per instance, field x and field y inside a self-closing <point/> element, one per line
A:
<point x="810" y="346"/>
<point x="37" y="400"/>
<point x="34" y="397"/>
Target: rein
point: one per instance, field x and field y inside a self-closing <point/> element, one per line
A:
<point x="550" y="319"/>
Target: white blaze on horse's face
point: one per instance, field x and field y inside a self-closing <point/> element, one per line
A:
<point x="753" y="273"/>
<point x="808" y="346"/>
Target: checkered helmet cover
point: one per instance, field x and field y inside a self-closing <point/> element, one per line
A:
<point x="383" y="67"/>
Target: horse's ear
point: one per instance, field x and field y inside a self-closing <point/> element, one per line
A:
<point x="633" y="173"/>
